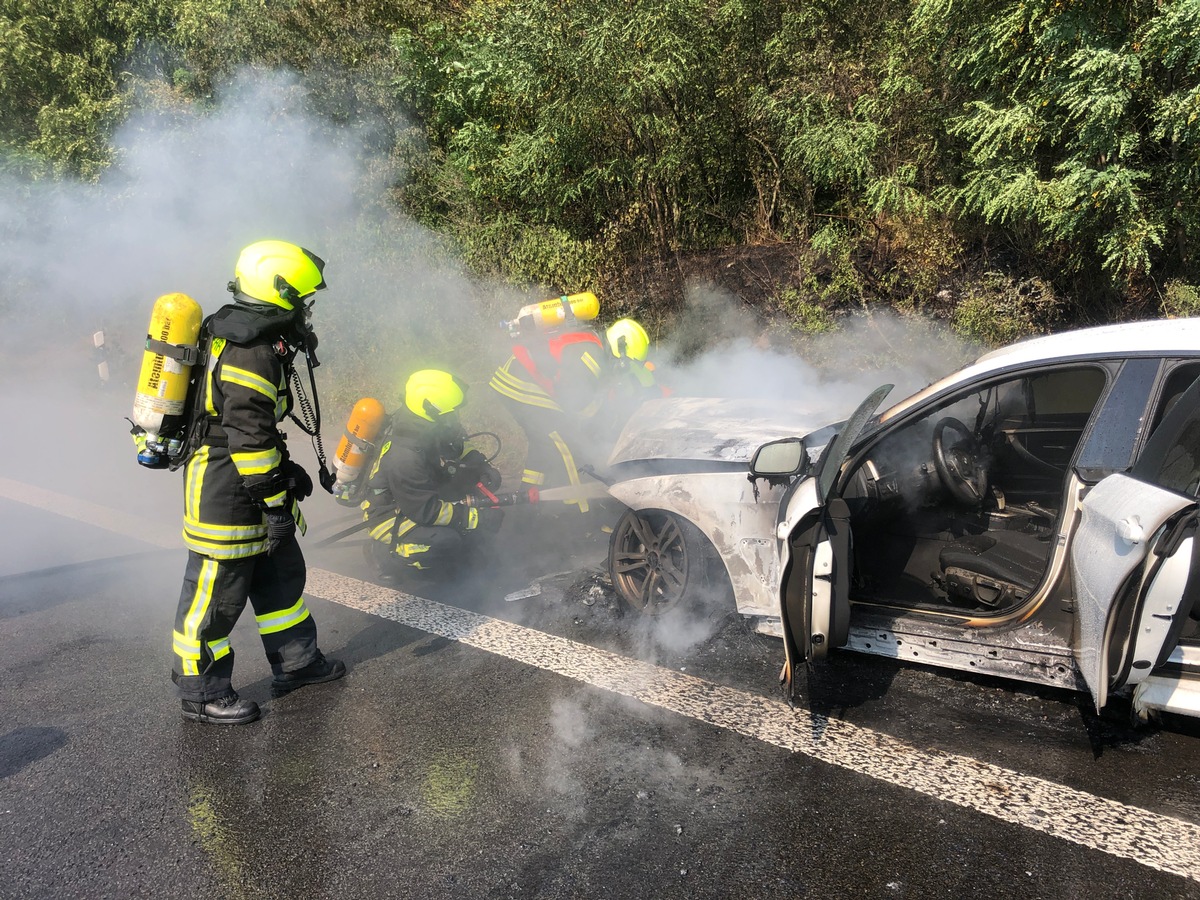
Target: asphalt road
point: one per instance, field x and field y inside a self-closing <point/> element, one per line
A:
<point x="546" y="747"/>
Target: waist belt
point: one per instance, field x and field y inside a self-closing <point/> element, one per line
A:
<point x="212" y="433"/>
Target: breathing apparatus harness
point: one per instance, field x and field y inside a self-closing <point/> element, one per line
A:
<point x="296" y="338"/>
<point x="310" y="409"/>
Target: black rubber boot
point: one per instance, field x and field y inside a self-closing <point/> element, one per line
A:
<point x="227" y="710"/>
<point x="316" y="672"/>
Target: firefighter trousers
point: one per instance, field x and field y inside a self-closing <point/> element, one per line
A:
<point x="214" y="594"/>
<point x="552" y="459"/>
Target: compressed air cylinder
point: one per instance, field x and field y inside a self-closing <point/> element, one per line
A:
<point x="162" y="386"/>
<point x="553" y="313"/>
<point x="356" y="447"/>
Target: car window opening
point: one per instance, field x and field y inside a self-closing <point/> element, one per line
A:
<point x="957" y="510"/>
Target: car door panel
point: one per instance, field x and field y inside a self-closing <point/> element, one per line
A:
<point x="1128" y="586"/>
<point x="1158" y="633"/>
<point x="815" y="601"/>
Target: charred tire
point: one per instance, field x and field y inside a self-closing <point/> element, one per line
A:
<point x="657" y="560"/>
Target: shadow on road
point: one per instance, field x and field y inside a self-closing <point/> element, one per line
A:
<point x="23" y="746"/>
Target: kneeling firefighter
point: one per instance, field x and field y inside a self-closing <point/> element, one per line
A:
<point x="427" y="508"/>
<point x="242" y="489"/>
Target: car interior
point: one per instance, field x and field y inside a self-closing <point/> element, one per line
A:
<point x="958" y="508"/>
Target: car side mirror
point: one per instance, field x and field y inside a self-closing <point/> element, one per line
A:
<point x="779" y="461"/>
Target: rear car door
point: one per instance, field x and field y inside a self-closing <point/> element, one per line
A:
<point x="1134" y="557"/>
<point x="1131" y="558"/>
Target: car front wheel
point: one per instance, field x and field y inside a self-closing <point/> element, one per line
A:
<point x="656" y="559"/>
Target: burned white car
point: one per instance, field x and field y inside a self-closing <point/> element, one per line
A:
<point x="1031" y="516"/>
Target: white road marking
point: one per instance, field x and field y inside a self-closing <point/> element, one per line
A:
<point x="1130" y="832"/>
<point x="1161" y="842"/>
<point x="91" y="514"/>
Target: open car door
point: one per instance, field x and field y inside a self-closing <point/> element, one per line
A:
<point x="1132" y="557"/>
<point x="815" y="603"/>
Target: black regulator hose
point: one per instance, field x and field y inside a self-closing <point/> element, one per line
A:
<point x="311" y="410"/>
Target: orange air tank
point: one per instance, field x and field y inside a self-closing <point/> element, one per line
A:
<point x="357" y="446"/>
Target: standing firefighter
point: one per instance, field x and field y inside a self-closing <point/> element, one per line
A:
<point x="426" y="506"/>
<point x="242" y="492"/>
<point x="555" y="384"/>
<point x="632" y="380"/>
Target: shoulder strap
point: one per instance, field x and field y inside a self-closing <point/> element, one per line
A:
<point x="195" y="414"/>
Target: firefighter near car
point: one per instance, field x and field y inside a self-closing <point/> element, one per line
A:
<point x="242" y="489"/>
<point x="422" y="505"/>
<point x="554" y="384"/>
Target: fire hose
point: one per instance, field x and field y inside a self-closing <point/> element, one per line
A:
<point x="485" y="498"/>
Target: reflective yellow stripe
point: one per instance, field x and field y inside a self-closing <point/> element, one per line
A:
<point x="592" y="408"/>
<point x="256" y="462"/>
<point x="282" y="620"/>
<point x="223" y="532"/>
<point x="375" y="468"/>
<point x="220" y="647"/>
<point x="572" y="473"/>
<point x="248" y="379"/>
<point x="224" y="551"/>
<point x="508" y="385"/>
<point x="383" y="531"/>
<point x="281" y="402"/>
<point x="445" y="514"/>
<point x="196" y="615"/>
<point x="472" y="518"/>
<point x="186" y="649"/>
<point x="407" y="550"/>
<point x="276" y="499"/>
<point x="214" y="354"/>
<point x="533" y="476"/>
<point x="590" y="361"/>
<point x="193" y="481"/>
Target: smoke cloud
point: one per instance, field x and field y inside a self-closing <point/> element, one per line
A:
<point x="191" y="186"/>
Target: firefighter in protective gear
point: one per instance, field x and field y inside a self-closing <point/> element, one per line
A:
<point x="632" y="381"/>
<point x="426" y="508"/>
<point x="242" y="492"/>
<point x="555" y="385"/>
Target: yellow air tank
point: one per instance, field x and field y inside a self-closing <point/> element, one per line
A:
<point x="171" y="350"/>
<point x="357" y="444"/>
<point x="553" y="313"/>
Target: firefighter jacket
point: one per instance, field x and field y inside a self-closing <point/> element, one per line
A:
<point x="410" y="486"/>
<point x="562" y="373"/>
<point x="236" y="467"/>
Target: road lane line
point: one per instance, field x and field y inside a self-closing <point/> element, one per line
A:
<point x="91" y="514"/>
<point x="1161" y="842"/>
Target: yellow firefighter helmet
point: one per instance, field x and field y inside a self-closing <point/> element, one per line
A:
<point x="432" y="392"/>
<point x="276" y="273"/>
<point x="628" y="338"/>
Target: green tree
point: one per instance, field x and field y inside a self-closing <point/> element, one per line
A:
<point x="601" y="121"/>
<point x="1079" y="125"/>
<point x="60" y="74"/>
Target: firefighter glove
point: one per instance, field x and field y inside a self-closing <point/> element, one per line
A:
<point x="281" y="527"/>
<point x="482" y="471"/>
<point x="489" y="519"/>
<point x="300" y="483"/>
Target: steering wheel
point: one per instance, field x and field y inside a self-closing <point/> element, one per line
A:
<point x="960" y="465"/>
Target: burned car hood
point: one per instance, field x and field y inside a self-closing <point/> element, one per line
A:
<point x="704" y="429"/>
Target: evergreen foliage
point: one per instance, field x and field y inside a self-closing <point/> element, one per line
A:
<point x="556" y="140"/>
